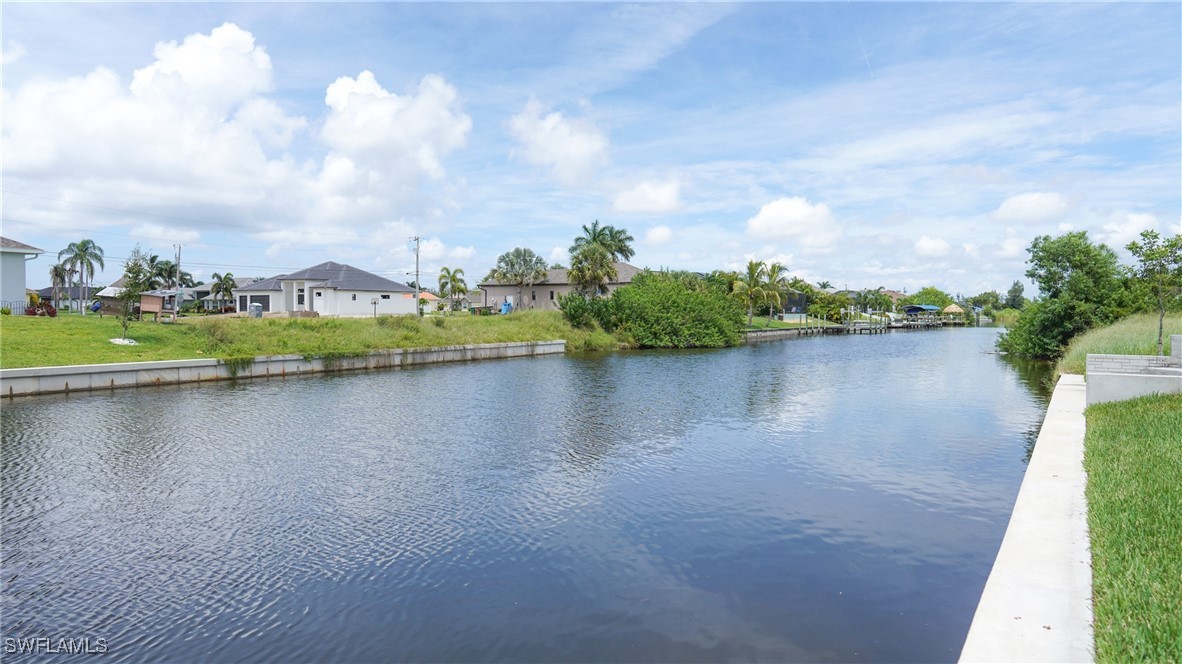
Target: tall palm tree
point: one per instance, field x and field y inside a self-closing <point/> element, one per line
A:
<point x="616" y="241"/>
<point x="749" y="288"/>
<point x="222" y="287"/>
<point x="82" y="256"/>
<point x="59" y="274"/>
<point x="775" y="282"/>
<point x="451" y="283"/>
<point x="592" y="268"/>
<point x="520" y="267"/>
<point x="619" y="244"/>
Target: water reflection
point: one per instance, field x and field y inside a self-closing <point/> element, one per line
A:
<point x="815" y="499"/>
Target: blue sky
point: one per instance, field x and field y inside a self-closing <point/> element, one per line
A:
<point x="867" y="144"/>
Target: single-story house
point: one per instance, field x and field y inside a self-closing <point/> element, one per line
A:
<point x="473" y="298"/>
<point x="70" y="297"/>
<point x="203" y="295"/>
<point x="330" y="289"/>
<point x="544" y="294"/>
<point x="13" y="256"/>
<point x="266" y="292"/>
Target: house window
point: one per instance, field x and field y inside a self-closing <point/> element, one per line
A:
<point x="551" y="296"/>
<point x="533" y="296"/>
<point x="385" y="296"/>
<point x="319" y="293"/>
<point x="354" y="297"/>
<point x="299" y="296"/>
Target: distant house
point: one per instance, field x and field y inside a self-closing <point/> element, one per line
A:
<point x="473" y="298"/>
<point x="265" y="292"/>
<point x="13" y="256"/>
<point x="69" y="297"/>
<point x="203" y="295"/>
<point x="544" y="294"/>
<point x="329" y="289"/>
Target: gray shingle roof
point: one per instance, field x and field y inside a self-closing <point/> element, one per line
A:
<point x="269" y="284"/>
<point x="18" y="247"/>
<point x="346" y="277"/>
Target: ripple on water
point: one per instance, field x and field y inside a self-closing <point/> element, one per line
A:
<point x="803" y="500"/>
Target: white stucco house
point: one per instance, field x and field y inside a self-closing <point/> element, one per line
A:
<point x="330" y="289"/>
<point x="13" y="256"/>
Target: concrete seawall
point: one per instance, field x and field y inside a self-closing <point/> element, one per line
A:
<point x="1037" y="603"/>
<point x="51" y="380"/>
<point x="753" y="336"/>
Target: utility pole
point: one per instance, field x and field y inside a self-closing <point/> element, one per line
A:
<point x="418" y="285"/>
<point x="177" y="277"/>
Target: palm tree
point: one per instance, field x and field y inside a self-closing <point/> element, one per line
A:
<point x="451" y="283"/>
<point x="775" y="281"/>
<point x="620" y="244"/>
<point x="223" y="286"/>
<point x="824" y="284"/>
<point x="520" y="267"/>
<point x="82" y="256"/>
<point x="59" y="274"/>
<point x="749" y="288"/>
<point x="592" y="268"/>
<point x="616" y="241"/>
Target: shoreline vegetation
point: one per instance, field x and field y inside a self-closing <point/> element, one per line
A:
<point x="33" y="341"/>
<point x="70" y="340"/>
<point x="1133" y="335"/>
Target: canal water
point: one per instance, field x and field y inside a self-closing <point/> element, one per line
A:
<point x="806" y="500"/>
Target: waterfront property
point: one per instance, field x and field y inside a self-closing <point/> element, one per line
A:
<point x="545" y="293"/>
<point x="330" y="289"/>
<point x="762" y="502"/>
<point x="13" y="257"/>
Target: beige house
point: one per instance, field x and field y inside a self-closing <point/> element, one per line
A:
<point x="544" y="294"/>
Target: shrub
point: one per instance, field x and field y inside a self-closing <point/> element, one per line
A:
<point x="5" y="311"/>
<point x="664" y="310"/>
<point x="405" y="322"/>
<point x="41" y="308"/>
<point x="576" y="308"/>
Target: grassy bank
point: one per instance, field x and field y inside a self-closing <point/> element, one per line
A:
<point x="1135" y="335"/>
<point x="1133" y="456"/>
<point x="27" y="341"/>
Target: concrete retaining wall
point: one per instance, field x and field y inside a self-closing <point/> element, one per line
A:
<point x="50" y="380"/>
<point x="1037" y="603"/>
<point x="1121" y="377"/>
<point x="751" y="336"/>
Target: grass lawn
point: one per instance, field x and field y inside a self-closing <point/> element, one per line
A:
<point x="28" y="341"/>
<point x="762" y="323"/>
<point x="1135" y="335"/>
<point x="1133" y="456"/>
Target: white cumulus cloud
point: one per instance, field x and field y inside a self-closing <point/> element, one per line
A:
<point x="571" y="149"/>
<point x="410" y="133"/>
<point x="658" y="235"/>
<point x="1031" y="208"/>
<point x="1126" y="227"/>
<point x="650" y="196"/>
<point x="931" y="247"/>
<point x="797" y="219"/>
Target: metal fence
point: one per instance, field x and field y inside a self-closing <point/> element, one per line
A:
<point x="18" y="308"/>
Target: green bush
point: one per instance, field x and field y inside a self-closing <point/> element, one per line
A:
<point x="576" y="308"/>
<point x="664" y="310"/>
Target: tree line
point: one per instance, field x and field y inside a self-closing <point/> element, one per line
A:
<point x="1082" y="285"/>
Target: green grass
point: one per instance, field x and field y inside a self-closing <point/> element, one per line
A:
<point x="762" y="323"/>
<point x="1133" y="456"/>
<point x="1135" y="335"/>
<point x="1006" y="317"/>
<point x="27" y="341"/>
